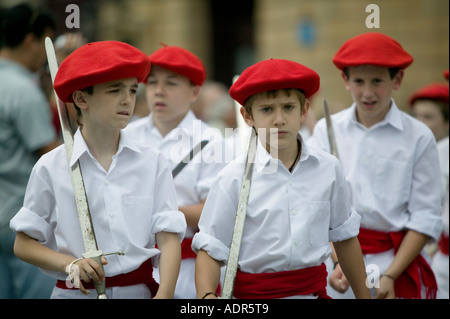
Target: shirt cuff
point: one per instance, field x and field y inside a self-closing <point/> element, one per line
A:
<point x="34" y="226"/>
<point x="426" y="223"/>
<point x="170" y="222"/>
<point x="214" y="247"/>
<point x="347" y="230"/>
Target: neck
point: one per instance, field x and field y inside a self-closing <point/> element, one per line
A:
<point x="290" y="156"/>
<point x="102" y="145"/>
<point x="165" y="126"/>
<point x="16" y="55"/>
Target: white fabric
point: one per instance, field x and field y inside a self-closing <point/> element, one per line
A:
<point x="129" y="204"/>
<point x="290" y="219"/>
<point x="392" y="167"/>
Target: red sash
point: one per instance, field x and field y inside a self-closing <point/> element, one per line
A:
<point x="142" y="275"/>
<point x="407" y="285"/>
<point x="305" y="281"/>
<point x="186" y="250"/>
<point x="443" y="244"/>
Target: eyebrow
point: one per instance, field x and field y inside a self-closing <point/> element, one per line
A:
<point x="120" y="85"/>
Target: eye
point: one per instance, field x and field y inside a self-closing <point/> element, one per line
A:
<point x="266" y="109"/>
<point x="288" y="107"/>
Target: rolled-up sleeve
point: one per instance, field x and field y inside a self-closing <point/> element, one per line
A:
<point x="34" y="218"/>
<point x="216" y="223"/>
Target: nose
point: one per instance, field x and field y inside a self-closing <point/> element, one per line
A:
<point x="279" y="118"/>
<point x="127" y="98"/>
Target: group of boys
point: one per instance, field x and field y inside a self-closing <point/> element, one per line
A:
<point x="378" y="204"/>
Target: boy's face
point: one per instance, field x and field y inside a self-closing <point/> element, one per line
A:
<point x="110" y="106"/>
<point x="169" y="95"/>
<point x="282" y="113"/>
<point x="429" y="112"/>
<point x="371" y="88"/>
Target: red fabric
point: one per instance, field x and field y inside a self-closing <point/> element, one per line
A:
<point x="274" y="74"/>
<point x="99" y="62"/>
<point x="186" y="250"/>
<point x="443" y="244"/>
<point x="180" y="61"/>
<point x="435" y="91"/>
<point x="305" y="281"/>
<point x="142" y="275"/>
<point x="372" y="48"/>
<point x="407" y="285"/>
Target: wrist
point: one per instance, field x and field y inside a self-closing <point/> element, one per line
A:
<point x="210" y="293"/>
<point x="388" y="276"/>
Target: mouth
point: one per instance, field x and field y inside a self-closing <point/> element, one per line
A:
<point x="124" y="113"/>
<point x="369" y="104"/>
<point x="160" y="106"/>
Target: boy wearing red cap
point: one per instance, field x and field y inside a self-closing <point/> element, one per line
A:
<point x="391" y="163"/>
<point x="173" y="84"/>
<point x="129" y="188"/>
<point x="429" y="104"/>
<point x="298" y="200"/>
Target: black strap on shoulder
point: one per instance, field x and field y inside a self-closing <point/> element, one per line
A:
<point x="189" y="157"/>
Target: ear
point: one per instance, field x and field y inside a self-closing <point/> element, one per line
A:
<point x="195" y="92"/>
<point x="248" y="118"/>
<point x="305" y="110"/>
<point x="346" y="80"/>
<point x="79" y="98"/>
<point x="398" y="79"/>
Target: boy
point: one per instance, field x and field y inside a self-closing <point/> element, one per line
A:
<point x="429" y="104"/>
<point x="129" y="188"/>
<point x="391" y="163"/>
<point x="173" y="84"/>
<point x="292" y="212"/>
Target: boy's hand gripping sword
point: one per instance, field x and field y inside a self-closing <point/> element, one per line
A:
<point x="87" y="230"/>
<point x="233" y="257"/>
<point x="331" y="137"/>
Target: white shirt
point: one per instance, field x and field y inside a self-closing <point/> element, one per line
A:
<point x="290" y="218"/>
<point x="392" y="167"/>
<point x="129" y="204"/>
<point x="194" y="181"/>
<point x="443" y="149"/>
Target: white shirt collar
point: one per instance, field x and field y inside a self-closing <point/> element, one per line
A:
<point x="264" y="161"/>
<point x="80" y="147"/>
<point x="393" y="117"/>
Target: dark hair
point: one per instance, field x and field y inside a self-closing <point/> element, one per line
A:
<point x="392" y="72"/>
<point x="21" y="20"/>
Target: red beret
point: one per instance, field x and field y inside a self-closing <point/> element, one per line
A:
<point x="446" y="74"/>
<point x="436" y="91"/>
<point x="99" y="62"/>
<point x="374" y="49"/>
<point x="274" y="74"/>
<point x="180" y="61"/>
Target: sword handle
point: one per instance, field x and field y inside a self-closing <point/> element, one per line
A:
<point x="101" y="287"/>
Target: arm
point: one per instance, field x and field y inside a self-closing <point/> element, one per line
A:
<point x="192" y="213"/>
<point x="169" y="263"/>
<point x="352" y="264"/>
<point x="207" y="274"/>
<point x="409" y="249"/>
<point x="31" y="251"/>
<point x="337" y="278"/>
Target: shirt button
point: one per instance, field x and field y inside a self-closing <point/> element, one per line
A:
<point x="293" y="212"/>
<point x="106" y="181"/>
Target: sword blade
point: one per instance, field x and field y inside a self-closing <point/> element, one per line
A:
<point x="331" y="137"/>
<point x="233" y="257"/>
<point x="84" y="216"/>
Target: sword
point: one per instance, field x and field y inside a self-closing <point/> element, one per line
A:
<point x="87" y="230"/>
<point x="331" y="137"/>
<point x="233" y="257"/>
